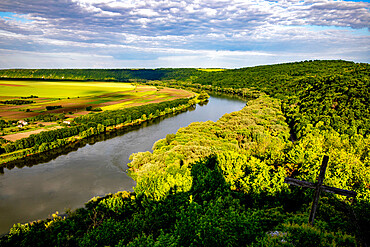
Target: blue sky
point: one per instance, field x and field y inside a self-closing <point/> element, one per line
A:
<point x="181" y="33"/>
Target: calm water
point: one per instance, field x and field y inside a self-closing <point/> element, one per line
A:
<point x="70" y="180"/>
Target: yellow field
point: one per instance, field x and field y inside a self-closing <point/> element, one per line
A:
<point x="58" y="89"/>
<point x="211" y="70"/>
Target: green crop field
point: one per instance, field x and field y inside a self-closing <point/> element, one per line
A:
<point x="72" y="98"/>
<point x="58" y="89"/>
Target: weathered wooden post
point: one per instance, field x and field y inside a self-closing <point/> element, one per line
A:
<point x="318" y="188"/>
<point x="320" y="181"/>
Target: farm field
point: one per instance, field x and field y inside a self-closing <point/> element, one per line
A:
<point x="73" y="98"/>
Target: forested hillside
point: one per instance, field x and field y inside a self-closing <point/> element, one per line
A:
<point x="122" y="75"/>
<point x="222" y="183"/>
<point x="326" y="93"/>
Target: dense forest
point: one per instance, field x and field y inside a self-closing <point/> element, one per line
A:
<point x="222" y="183"/>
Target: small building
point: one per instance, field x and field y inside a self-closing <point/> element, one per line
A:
<point x="67" y="122"/>
<point x="23" y="123"/>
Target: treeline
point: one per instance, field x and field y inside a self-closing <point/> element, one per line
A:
<point x="30" y="97"/>
<point x="123" y="75"/>
<point x="48" y="117"/>
<point x="90" y="125"/>
<point x="53" y="107"/>
<point x="5" y="124"/>
<point x="109" y="118"/>
<point x="281" y="80"/>
<point x="17" y="102"/>
<point x="36" y="140"/>
<point x="221" y="183"/>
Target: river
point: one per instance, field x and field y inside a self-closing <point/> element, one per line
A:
<point x="95" y="169"/>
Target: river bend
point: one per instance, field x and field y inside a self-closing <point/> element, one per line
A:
<point x="70" y="180"/>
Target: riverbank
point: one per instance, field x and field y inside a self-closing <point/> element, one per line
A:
<point x="83" y="133"/>
<point x="68" y="177"/>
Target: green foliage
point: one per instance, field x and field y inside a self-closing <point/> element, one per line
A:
<point x="248" y="143"/>
<point x="169" y="138"/>
<point x="221" y="183"/>
<point x="4" y="123"/>
<point x="336" y="102"/>
<point x="53" y="107"/>
<point x="216" y="223"/>
<point x="209" y="214"/>
<point x="144" y="241"/>
<point x="306" y="235"/>
<point x="17" y="102"/>
<point x="89" y="108"/>
<point x="108" y="233"/>
<point x="203" y="96"/>
<point x="125" y="75"/>
<point x="49" y="117"/>
<point x="254" y="153"/>
<point x="30" y="97"/>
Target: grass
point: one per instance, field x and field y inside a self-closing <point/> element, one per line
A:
<point x="100" y="101"/>
<point x="116" y="106"/>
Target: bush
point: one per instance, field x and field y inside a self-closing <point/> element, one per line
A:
<point x="53" y="107"/>
<point x="306" y="236"/>
<point x="107" y="234"/>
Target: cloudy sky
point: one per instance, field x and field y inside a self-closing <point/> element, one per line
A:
<point x="184" y="33"/>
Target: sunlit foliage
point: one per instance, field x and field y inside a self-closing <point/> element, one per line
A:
<point x="221" y="183"/>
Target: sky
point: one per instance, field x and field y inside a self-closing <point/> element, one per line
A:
<point x="179" y="34"/>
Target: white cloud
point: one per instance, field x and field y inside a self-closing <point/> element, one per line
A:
<point x="169" y="28"/>
<point x="144" y="12"/>
<point x="107" y="14"/>
<point x="16" y="59"/>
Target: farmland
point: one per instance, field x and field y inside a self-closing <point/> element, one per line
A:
<point x="72" y="99"/>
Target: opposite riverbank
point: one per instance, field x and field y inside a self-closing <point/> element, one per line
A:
<point x="94" y="124"/>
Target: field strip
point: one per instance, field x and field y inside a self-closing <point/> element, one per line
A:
<point x="17" y="136"/>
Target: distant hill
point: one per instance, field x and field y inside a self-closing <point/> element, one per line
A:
<point x="122" y="75"/>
